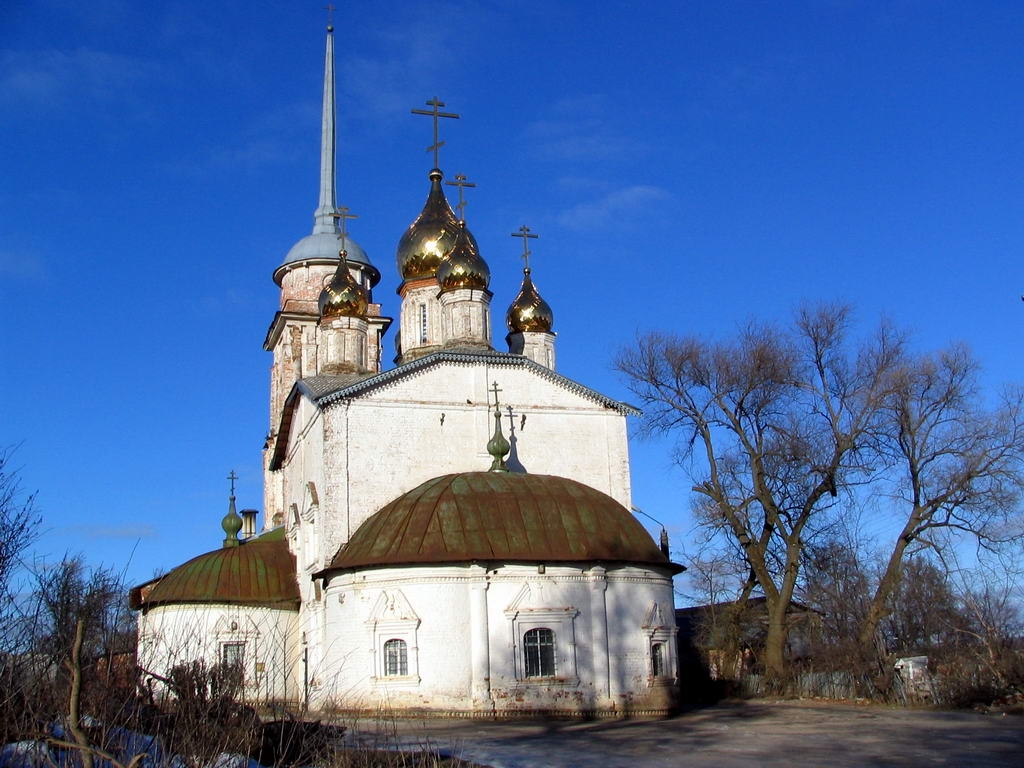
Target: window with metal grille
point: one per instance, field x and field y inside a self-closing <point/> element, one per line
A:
<point x="539" y="652"/>
<point x="396" y="658"/>
<point x="658" y="659"/>
<point x="423" y="323"/>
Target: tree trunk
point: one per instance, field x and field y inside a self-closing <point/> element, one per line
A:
<point x="75" y="698"/>
<point x="775" y="642"/>
<point x="887" y="585"/>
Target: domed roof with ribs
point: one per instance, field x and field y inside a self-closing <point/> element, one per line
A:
<point x="500" y="516"/>
<point x="259" y="571"/>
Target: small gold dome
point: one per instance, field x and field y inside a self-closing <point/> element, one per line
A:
<point x="463" y="267"/>
<point x="529" y="312"/>
<point x="424" y="245"/>
<point x="342" y="296"/>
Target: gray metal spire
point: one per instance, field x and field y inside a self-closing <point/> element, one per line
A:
<point x="324" y="221"/>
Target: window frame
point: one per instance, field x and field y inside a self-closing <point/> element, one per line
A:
<point x="391" y="619"/>
<point x="540" y="645"/>
<point x="562" y="623"/>
<point x="657" y="659"/>
<point x="239" y="646"/>
<point x="400" y="668"/>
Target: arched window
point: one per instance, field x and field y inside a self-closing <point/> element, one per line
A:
<point x="396" y="658"/>
<point x="539" y="652"/>
<point x="658" y="659"/>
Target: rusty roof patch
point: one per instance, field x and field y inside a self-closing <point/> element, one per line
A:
<point x="259" y="571"/>
<point x="500" y="516"/>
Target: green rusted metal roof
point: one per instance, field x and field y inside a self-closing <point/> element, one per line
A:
<point x="259" y="571"/>
<point x="500" y="516"/>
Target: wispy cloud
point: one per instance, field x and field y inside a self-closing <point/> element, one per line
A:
<point x="272" y="137"/>
<point x="53" y="78"/>
<point x="113" y="531"/>
<point x="418" y="50"/>
<point x="580" y="128"/>
<point x="22" y="266"/>
<point x="612" y="208"/>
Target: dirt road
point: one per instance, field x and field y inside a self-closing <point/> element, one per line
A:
<point x="757" y="733"/>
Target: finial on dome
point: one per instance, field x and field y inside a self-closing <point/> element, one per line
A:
<point x="497" y="446"/>
<point x="231" y="523"/>
<point x="342" y="215"/>
<point x="528" y="311"/>
<point x="524" y="232"/>
<point x="461" y="183"/>
<point x="435" y="103"/>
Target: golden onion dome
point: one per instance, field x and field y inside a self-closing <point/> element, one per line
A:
<point x="342" y="296"/>
<point x="463" y="267"/>
<point x="529" y="312"/>
<point x="425" y="243"/>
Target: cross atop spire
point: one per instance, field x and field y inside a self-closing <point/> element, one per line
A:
<point x="232" y="477"/>
<point x="524" y="232"/>
<point x="436" y="114"/>
<point x="330" y="16"/>
<point x="341" y="215"/>
<point x="461" y="183"/>
<point x="495" y="390"/>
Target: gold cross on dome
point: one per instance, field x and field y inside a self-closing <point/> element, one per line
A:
<point x="435" y="103"/>
<point x="461" y="183"/>
<point x="524" y="232"/>
<point x="232" y="477"/>
<point x="342" y="215"/>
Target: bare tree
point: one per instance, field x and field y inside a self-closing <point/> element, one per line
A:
<point x="19" y="520"/>
<point x="71" y="591"/>
<point x="924" y="614"/>
<point x="955" y="466"/>
<point x="773" y="428"/>
<point x="986" y="662"/>
<point x="837" y="583"/>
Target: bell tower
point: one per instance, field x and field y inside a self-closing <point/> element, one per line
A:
<point x="296" y="336"/>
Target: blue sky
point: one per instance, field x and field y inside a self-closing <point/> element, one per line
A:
<point x="688" y="166"/>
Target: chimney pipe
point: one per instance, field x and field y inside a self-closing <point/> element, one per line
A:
<point x="249" y="523"/>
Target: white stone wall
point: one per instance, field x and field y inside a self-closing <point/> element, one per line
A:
<point x="343" y="345"/>
<point x="360" y="455"/>
<point x="381" y="445"/>
<point x="465" y="316"/>
<point x="179" y="634"/>
<point x="537" y="345"/>
<point x="463" y="628"/>
<point x="419" y="319"/>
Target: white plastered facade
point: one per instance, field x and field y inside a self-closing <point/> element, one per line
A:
<point x="463" y="625"/>
<point x="468" y="637"/>
<point x="262" y="640"/>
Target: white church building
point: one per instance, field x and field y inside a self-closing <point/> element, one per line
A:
<point x="425" y="546"/>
